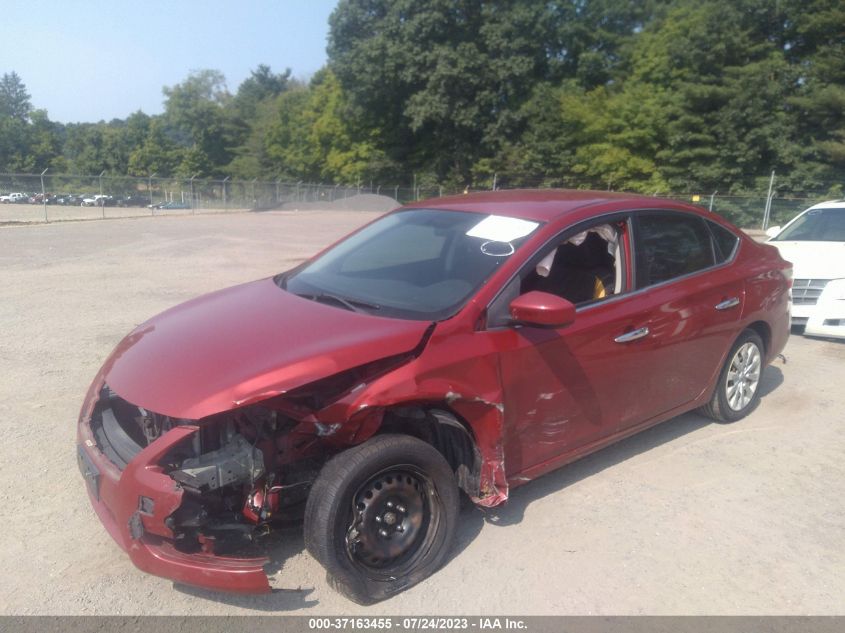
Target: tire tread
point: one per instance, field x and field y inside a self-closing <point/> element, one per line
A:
<point x="325" y="499"/>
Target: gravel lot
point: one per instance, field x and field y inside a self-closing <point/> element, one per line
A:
<point x="34" y="213"/>
<point x="689" y="517"/>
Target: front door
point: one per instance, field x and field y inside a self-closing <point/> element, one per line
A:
<point x="566" y="388"/>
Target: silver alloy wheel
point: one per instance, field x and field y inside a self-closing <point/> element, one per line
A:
<point x="743" y="376"/>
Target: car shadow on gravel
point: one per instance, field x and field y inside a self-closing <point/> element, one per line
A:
<point x="513" y="511"/>
<point x="279" y="600"/>
<point x="287" y="595"/>
<point x="287" y="542"/>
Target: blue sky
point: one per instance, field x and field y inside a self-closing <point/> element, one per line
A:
<point x="87" y="60"/>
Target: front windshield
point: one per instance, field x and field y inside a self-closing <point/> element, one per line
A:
<point x="414" y="264"/>
<point x="818" y="225"/>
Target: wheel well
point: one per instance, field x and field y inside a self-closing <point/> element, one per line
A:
<point x="437" y="425"/>
<point x="764" y="332"/>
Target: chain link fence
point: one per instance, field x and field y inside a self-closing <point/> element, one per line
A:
<point x="54" y="197"/>
<point x="749" y="212"/>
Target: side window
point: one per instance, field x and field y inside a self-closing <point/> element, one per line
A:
<point x="724" y="240"/>
<point x="670" y="245"/>
<point x="584" y="268"/>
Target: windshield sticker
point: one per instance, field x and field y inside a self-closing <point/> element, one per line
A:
<point x="498" y="228"/>
<point x="494" y="248"/>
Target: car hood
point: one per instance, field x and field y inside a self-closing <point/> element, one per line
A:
<point x="814" y="260"/>
<point x="245" y="344"/>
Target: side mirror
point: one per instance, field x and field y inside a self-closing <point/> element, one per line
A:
<point x="542" y="309"/>
<point x="772" y="231"/>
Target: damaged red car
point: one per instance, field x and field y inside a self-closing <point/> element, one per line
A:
<point x="461" y="345"/>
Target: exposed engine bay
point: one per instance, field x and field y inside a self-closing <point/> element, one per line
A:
<point x="239" y="472"/>
<point x="243" y="471"/>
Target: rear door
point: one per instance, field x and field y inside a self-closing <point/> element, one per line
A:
<point x="692" y="300"/>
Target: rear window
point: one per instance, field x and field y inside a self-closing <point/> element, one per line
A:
<point x="724" y="240"/>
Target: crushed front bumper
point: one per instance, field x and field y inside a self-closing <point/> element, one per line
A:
<point x="134" y="504"/>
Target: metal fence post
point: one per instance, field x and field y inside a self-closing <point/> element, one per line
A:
<point x="768" y="207"/>
<point x="192" y="191"/>
<point x="102" y="202"/>
<point x="150" y="191"/>
<point x="225" y="202"/>
<point x="44" y="194"/>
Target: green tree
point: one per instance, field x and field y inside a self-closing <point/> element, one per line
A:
<point x="251" y="112"/>
<point x="721" y="69"/>
<point x="158" y="154"/>
<point x="261" y="85"/>
<point x="438" y="82"/>
<point x="44" y="143"/>
<point x="592" y="38"/>
<point x="815" y="44"/>
<point x="314" y="137"/>
<point x="15" y="109"/>
<point x="14" y="148"/>
<point x="14" y="99"/>
<point x="194" y="112"/>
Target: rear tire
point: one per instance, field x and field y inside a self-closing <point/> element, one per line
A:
<point x="737" y="391"/>
<point x="382" y="516"/>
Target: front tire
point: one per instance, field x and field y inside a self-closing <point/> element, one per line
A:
<point x="382" y="516"/>
<point x="737" y="391"/>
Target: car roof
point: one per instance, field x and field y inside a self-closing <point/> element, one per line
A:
<point x="540" y="204"/>
<point x="830" y="204"/>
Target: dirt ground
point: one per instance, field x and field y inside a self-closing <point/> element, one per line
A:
<point x="689" y="517"/>
<point x="34" y="213"/>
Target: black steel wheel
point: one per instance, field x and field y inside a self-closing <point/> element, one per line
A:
<point x="381" y="516"/>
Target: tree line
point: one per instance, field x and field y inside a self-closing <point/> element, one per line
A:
<point x="653" y="96"/>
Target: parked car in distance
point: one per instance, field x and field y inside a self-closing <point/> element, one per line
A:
<point x="98" y="200"/>
<point x="814" y="241"/>
<point x="165" y="206"/>
<point x="132" y="201"/>
<point x="461" y="345"/>
<point x="14" y="198"/>
<point x="68" y="199"/>
<point x="38" y="198"/>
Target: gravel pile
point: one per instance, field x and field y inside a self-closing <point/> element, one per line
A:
<point x="361" y="202"/>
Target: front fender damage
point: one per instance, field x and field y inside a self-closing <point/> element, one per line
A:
<point x="359" y="414"/>
<point x="199" y="494"/>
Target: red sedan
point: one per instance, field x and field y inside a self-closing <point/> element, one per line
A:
<point x="457" y="345"/>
